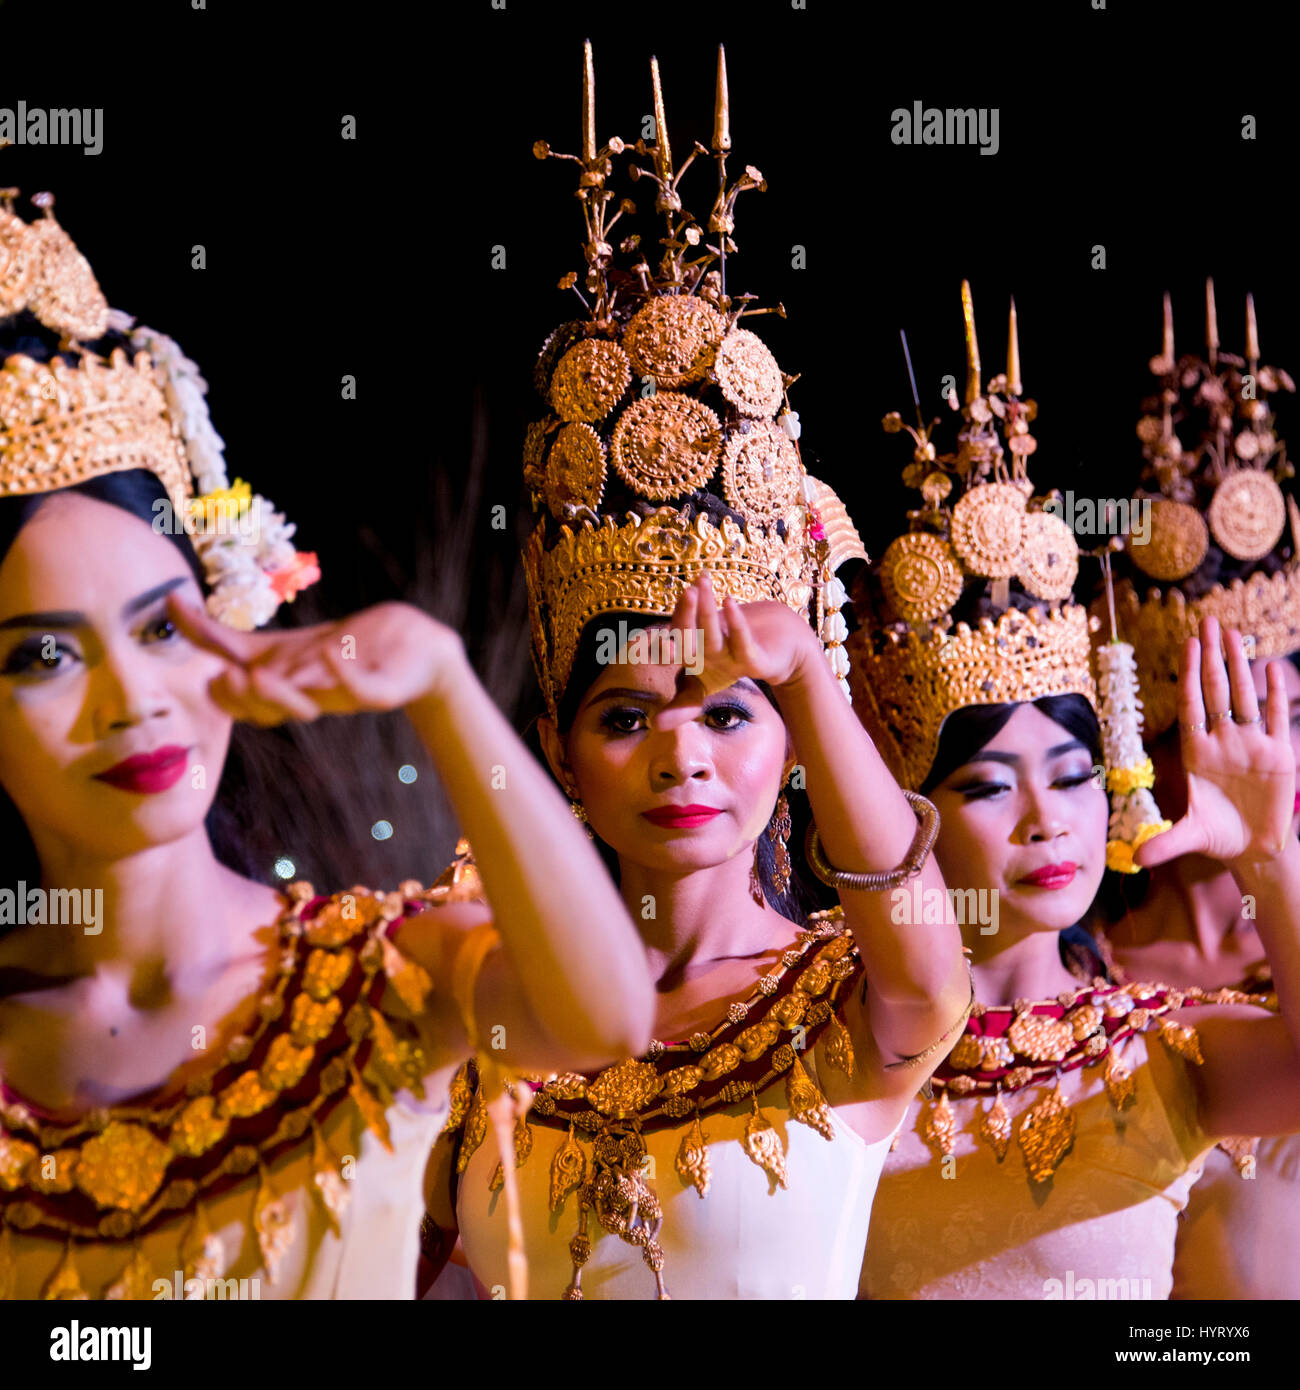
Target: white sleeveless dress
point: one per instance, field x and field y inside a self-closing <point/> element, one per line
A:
<point x="1103" y="1226"/>
<point x="747" y="1238"/>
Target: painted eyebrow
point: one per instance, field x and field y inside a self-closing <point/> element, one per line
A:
<point x="1013" y="759"/>
<point x="71" y="618"/>
<point x="650" y="697"/>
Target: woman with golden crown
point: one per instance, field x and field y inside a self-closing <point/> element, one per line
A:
<point x="1217" y="544"/>
<point x="208" y="1087"/>
<point x="672" y="577"/>
<point x="1070" y="1141"/>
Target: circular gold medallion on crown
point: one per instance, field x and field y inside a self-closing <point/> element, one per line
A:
<point x="665" y="445"/>
<point x="673" y="339"/>
<point x="761" y="473"/>
<point x="920" y="576"/>
<point x="1176" y="543"/>
<point x="1049" y="559"/>
<point x="748" y="374"/>
<point x="590" y="381"/>
<point x="986" y="529"/>
<point x="575" y="470"/>
<point x="1248" y="514"/>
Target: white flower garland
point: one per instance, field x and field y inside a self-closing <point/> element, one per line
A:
<point x="1134" y="816"/>
<point x="250" y="540"/>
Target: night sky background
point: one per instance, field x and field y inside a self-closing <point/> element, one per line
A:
<point x="373" y="257"/>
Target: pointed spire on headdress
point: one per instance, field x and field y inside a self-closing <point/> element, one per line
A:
<point x="1211" y="324"/>
<point x="588" y="104"/>
<point x="721" y="108"/>
<point x="663" y="151"/>
<point x="1252" y="332"/>
<point x="1014" y="384"/>
<point x="972" y="344"/>
<point x="1167" y="345"/>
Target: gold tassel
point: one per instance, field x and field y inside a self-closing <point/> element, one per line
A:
<point x="807" y="1105"/>
<point x="568" y="1170"/>
<point x="135" y="1281"/>
<point x="462" y="1096"/>
<point x="1181" y="1038"/>
<point x="1121" y="1084"/>
<point x="274" y="1226"/>
<point x="839" y="1047"/>
<point x="8" y="1269"/>
<point x="762" y="1142"/>
<point x="523" y="1147"/>
<point x="64" y="1284"/>
<point x="203" y="1255"/>
<point x="372" y="1112"/>
<point x="408" y="978"/>
<point x="476" y="1125"/>
<point x="940" y="1126"/>
<point x="1046" y="1135"/>
<point x="328" y="1185"/>
<point x="995" y="1126"/>
<point x="692" y="1161"/>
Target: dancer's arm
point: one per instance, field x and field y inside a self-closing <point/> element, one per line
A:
<point x="917" y="983"/>
<point x="571" y="990"/>
<point x="1241" y="790"/>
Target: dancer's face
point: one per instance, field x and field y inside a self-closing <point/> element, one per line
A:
<point x="646" y="742"/>
<point x="93" y="673"/>
<point x="1027" y="800"/>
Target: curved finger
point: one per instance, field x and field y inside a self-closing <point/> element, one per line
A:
<point x="1241" y="685"/>
<point x="275" y="690"/>
<point x="740" y="636"/>
<point x="204" y="631"/>
<point x="708" y="617"/>
<point x="1181" y="838"/>
<point x="1214" y="677"/>
<point x="1277" y="704"/>
<point x="1191" y="707"/>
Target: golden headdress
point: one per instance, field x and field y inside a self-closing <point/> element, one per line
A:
<point x="1219" y="543"/>
<point x="82" y="415"/>
<point x="993" y="560"/>
<point x="669" y="447"/>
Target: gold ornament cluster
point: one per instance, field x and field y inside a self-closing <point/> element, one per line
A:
<point x="42" y="271"/>
<point x="906" y="684"/>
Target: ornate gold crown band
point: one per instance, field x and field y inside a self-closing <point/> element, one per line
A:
<point x="912" y="670"/>
<point x="659" y="397"/>
<point x="63" y="424"/>
<point x="1221" y="481"/>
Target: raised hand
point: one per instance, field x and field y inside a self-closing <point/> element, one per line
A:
<point x="1239" y="764"/>
<point x="381" y="658"/>
<point x="765" y="641"/>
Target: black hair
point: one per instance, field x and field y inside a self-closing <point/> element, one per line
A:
<point x="799" y="898"/>
<point x="971" y="728"/>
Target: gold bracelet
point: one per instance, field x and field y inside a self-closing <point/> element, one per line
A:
<point x="927" y="832"/>
<point x="943" y="1037"/>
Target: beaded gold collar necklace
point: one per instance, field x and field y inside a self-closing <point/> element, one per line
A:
<point x="120" y="1171"/>
<point x="1007" y="1049"/>
<point x="757" y="1041"/>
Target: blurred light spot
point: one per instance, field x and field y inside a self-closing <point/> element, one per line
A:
<point x="284" y="868"/>
<point x="406" y="773"/>
<point x="381" y="829"/>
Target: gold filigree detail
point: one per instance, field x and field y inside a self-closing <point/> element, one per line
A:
<point x="692" y="1161"/>
<point x="575" y="471"/>
<point x="1248" y="514"/>
<point x="122" y="1167"/>
<point x="1046" y="1135"/>
<point x="1176" y="542"/>
<point x="761" y="476"/>
<point x="673" y="339"/>
<point x="1049" y="558"/>
<point x="748" y="374"/>
<point x="920" y="576"/>
<point x="986" y="529"/>
<point x="665" y="445"/>
<point x="590" y="381"/>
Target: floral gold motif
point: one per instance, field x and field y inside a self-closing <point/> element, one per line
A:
<point x="589" y="381"/>
<point x="748" y="374"/>
<point x="1046" y="1135"/>
<point x="122" y="1167"/>
<point x="673" y="339"/>
<point x="624" y="1089"/>
<point x="665" y="445"/>
<point x="692" y="1161"/>
<point x="920" y="576"/>
<point x="1248" y="514"/>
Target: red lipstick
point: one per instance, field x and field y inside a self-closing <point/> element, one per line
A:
<point x="148" y="773"/>
<point x="681" y="817"/>
<point x="1052" y="875"/>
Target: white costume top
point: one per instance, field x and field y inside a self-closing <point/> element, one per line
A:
<point x="1103" y="1225"/>
<point x="747" y="1238"/>
<point x="1240" y="1236"/>
<point x="374" y="1256"/>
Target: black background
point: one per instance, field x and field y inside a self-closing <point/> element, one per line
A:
<point x="373" y="257"/>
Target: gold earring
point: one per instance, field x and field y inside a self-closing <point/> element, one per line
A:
<point x="580" y="813"/>
<point x="756" y="883"/>
<point x="778" y="831"/>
